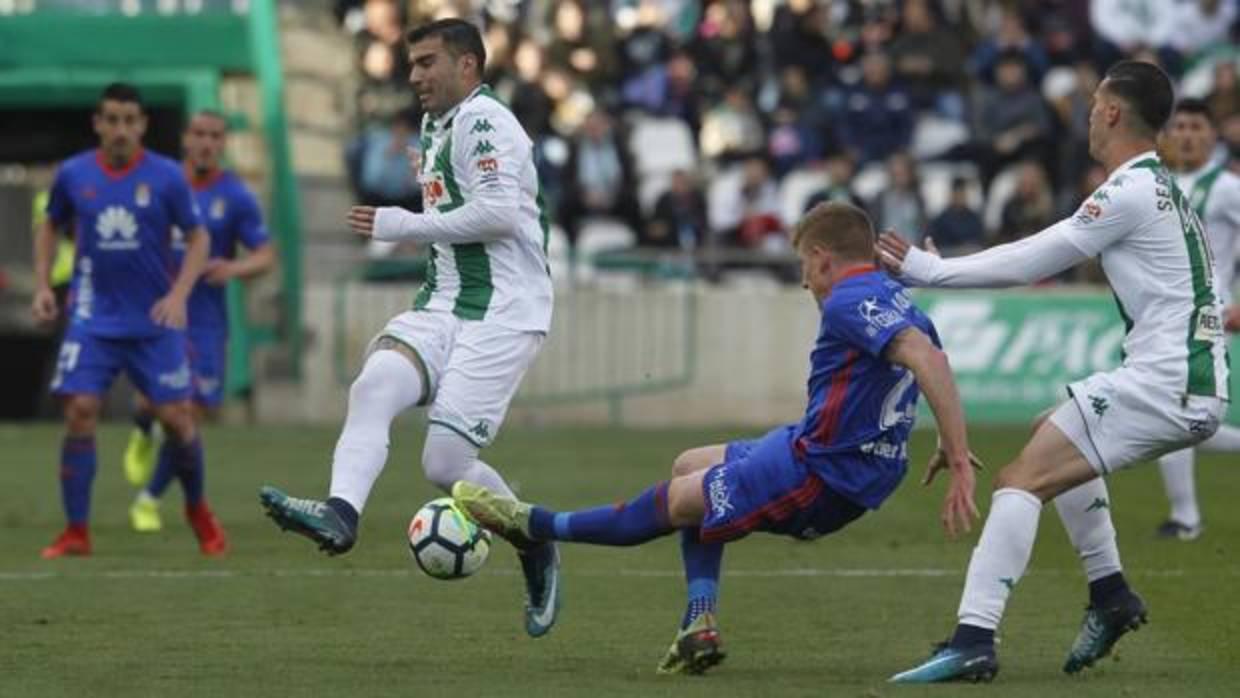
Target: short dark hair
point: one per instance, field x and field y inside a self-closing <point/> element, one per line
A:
<point x="120" y="92"/>
<point x="1147" y="89"/>
<point x="460" y="37"/>
<point x="840" y="227"/>
<point x="1190" y="105"/>
<point x="212" y="113"/>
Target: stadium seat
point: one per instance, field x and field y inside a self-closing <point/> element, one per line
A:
<point x="936" y="185"/>
<point x="559" y="257"/>
<point x="1001" y="189"/>
<point x="797" y="187"/>
<point x="723" y="188"/>
<point x="870" y="181"/>
<point x="935" y="135"/>
<point x="597" y="236"/>
<point x="659" y="146"/>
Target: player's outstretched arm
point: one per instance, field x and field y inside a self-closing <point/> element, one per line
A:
<point x="912" y="349"/>
<point x="1025" y="261"/>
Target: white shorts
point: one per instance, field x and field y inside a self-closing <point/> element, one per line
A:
<point x="473" y="368"/>
<point x="1115" y="419"/>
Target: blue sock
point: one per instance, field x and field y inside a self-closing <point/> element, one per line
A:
<point x="187" y="459"/>
<point x="144" y="421"/>
<point x="1101" y="590"/>
<point x="702" y="563"/>
<point x="77" y="474"/>
<point x="165" y="470"/>
<point x="971" y="636"/>
<point x="639" y="520"/>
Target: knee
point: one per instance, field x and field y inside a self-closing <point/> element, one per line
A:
<point x="1018" y="475"/>
<point x="178" y="420"/>
<point x="442" y="467"/>
<point x="685" y="504"/>
<point x="684" y="464"/>
<point x="81" y="416"/>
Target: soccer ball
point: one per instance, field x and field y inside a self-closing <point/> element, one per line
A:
<point x="445" y="543"/>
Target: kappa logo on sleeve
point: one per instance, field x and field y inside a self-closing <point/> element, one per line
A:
<point x="484" y="148"/>
<point x="481" y="126"/>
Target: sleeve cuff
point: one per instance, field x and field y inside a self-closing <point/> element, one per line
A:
<point x="393" y="224"/>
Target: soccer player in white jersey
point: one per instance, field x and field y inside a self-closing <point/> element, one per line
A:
<point x="1169" y="393"/>
<point x="478" y="321"/>
<point x="1214" y="194"/>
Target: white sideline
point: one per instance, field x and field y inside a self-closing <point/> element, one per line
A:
<point x="38" y="576"/>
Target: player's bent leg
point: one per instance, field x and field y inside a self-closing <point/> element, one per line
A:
<point x="77" y="474"/>
<point x="391" y="381"/>
<point x="700" y="458"/>
<point x="1048" y="465"/>
<point x="139" y="457"/>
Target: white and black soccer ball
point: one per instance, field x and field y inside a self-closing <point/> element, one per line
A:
<point x="445" y="542"/>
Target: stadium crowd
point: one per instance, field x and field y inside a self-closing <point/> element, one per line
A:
<point x="714" y="124"/>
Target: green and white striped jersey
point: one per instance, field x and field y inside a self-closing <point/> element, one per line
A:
<point x="477" y="171"/>
<point x="1214" y="193"/>
<point x="1155" y="254"/>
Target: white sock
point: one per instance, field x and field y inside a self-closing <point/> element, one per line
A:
<point x="1225" y="440"/>
<point x="1177" y="473"/>
<point x="1000" y="558"/>
<point x="388" y="385"/>
<point x="1085" y="511"/>
<point x="448" y="457"/>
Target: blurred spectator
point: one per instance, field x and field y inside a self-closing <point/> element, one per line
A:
<point x="928" y="59"/>
<point x="798" y="37"/>
<point x="840" y="169"/>
<point x="1031" y="207"/>
<point x="679" y="218"/>
<point x="1013" y="122"/>
<point x="1192" y="27"/>
<point x="793" y="141"/>
<point x="876" y="116"/>
<point x="1224" y="99"/>
<point x="725" y="49"/>
<point x="958" y="230"/>
<point x="599" y="178"/>
<point x="667" y="90"/>
<point x="1012" y="35"/>
<point x="899" y="207"/>
<point x="732" y="129"/>
<point x="1121" y="27"/>
<point x="379" y="164"/>
<point x="1070" y="91"/>
<point x="750" y="215"/>
<point x="589" y="55"/>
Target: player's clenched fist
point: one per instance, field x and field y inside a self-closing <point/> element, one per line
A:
<point x="362" y="220"/>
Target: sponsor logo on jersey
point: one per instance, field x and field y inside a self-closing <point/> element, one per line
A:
<point x="142" y="195"/>
<point x="177" y="380"/>
<point x="488" y="165"/>
<point x="876" y="316"/>
<point x="433" y="189"/>
<point x="117" y="228"/>
<point x="482" y="126"/>
<point x="1089" y="212"/>
<point x="720" y="497"/>
<point x="218" y="208"/>
<point x="178" y="238"/>
<point x="484" y="148"/>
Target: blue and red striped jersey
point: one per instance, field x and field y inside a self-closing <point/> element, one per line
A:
<point x="861" y="406"/>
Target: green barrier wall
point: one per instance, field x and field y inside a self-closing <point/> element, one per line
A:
<point x="1013" y="352"/>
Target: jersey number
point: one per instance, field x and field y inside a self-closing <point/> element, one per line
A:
<point x="67" y="361"/>
<point x="897" y="406"/>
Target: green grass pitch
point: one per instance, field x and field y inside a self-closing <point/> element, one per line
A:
<point x="147" y="616"/>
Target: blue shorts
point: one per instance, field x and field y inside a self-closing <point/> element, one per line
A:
<point x="762" y="486"/>
<point x="208" y="357"/>
<point x="157" y="365"/>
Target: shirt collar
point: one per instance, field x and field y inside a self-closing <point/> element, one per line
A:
<point x="446" y="118"/>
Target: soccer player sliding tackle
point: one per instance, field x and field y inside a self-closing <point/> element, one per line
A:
<point x="874" y="354"/>
<point x="231" y="216"/>
<point x="478" y="321"/>
<point x="1168" y="394"/>
<point x="1214" y="195"/>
